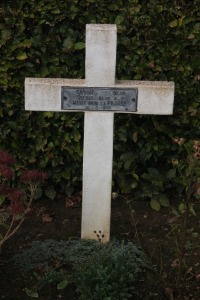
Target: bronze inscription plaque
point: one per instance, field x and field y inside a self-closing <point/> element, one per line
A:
<point x="98" y="99"/>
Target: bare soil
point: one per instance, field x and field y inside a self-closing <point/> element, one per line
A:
<point x="158" y="233"/>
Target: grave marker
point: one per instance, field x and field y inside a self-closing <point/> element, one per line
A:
<point x="99" y="96"/>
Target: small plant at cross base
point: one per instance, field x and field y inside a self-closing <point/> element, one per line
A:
<point x="94" y="270"/>
<point x="188" y="168"/>
<point x="15" y="201"/>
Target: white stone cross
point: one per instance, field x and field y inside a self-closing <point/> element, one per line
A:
<point x="45" y="94"/>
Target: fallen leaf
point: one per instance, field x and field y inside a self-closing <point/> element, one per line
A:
<point x="114" y="195"/>
<point x="65" y="221"/>
<point x="47" y="218"/>
<point x="175" y="263"/>
<point x="189" y="270"/>
<point x="198" y="277"/>
<point x="28" y="210"/>
<point x="69" y="203"/>
<point x="164" y="276"/>
<point x="73" y="201"/>
<point x="41" y="211"/>
<point x="169" y="293"/>
<point x="172" y="220"/>
<point x="126" y="233"/>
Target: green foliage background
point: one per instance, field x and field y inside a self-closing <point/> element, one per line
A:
<point x="157" y="40"/>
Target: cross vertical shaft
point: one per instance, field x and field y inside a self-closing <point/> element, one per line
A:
<point x="101" y="42"/>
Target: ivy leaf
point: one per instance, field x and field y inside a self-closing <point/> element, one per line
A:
<point x="135" y="137"/>
<point x="171" y="174"/>
<point x="31" y="293"/>
<point x="192" y="211"/>
<point x="135" y="176"/>
<point x="153" y="171"/>
<point x="155" y="204"/>
<point x="127" y="156"/>
<point x="50" y="192"/>
<point x="50" y="145"/>
<point x="164" y="201"/>
<point x="76" y="136"/>
<point x="119" y="19"/>
<point x="2" y="199"/>
<point x="61" y="285"/>
<point x="22" y="56"/>
<point x="173" y="24"/>
<point x="159" y="8"/>
<point x="38" y="193"/>
<point x="181" y="207"/>
<point x="27" y="43"/>
<point x="48" y="114"/>
<point x="5" y="34"/>
<point x="79" y="46"/>
<point x="127" y="164"/>
<point x="147" y="176"/>
<point x="68" y="43"/>
<point x="55" y="11"/>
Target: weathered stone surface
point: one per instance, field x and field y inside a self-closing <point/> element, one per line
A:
<point x="152" y="98"/>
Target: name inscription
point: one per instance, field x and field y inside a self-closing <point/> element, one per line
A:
<point x="99" y="99"/>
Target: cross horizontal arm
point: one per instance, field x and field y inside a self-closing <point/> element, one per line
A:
<point x="154" y="97"/>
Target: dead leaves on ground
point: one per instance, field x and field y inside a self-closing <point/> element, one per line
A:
<point x="70" y="202"/>
<point x="45" y="216"/>
<point x="169" y="293"/>
<point x="73" y="201"/>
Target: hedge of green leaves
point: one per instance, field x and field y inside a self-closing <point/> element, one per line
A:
<point x="157" y="40"/>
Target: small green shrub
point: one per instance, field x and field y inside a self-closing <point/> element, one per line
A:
<point x="99" y="271"/>
<point x="110" y="273"/>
